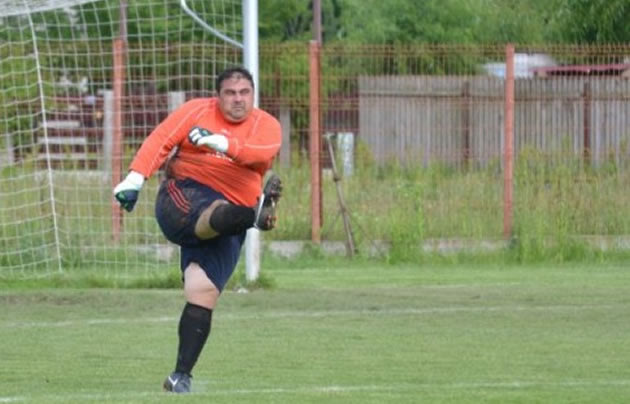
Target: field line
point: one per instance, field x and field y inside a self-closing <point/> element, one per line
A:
<point x="324" y="390"/>
<point x="410" y="311"/>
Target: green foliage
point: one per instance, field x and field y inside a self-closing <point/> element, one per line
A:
<point x="282" y="20"/>
<point x="404" y="21"/>
<point x="406" y="216"/>
<point x="592" y="21"/>
<point x="291" y="20"/>
<point x="556" y="205"/>
<point x="354" y="21"/>
<point x="451" y="21"/>
<point x="280" y="61"/>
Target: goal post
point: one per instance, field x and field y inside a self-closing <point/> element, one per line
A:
<point x="250" y="49"/>
<point x="56" y="97"/>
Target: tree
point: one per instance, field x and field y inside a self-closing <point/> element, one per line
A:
<point x="287" y="20"/>
<point x="406" y="21"/>
<point x="403" y="21"/>
<point x="450" y="21"/>
<point x="593" y="21"/>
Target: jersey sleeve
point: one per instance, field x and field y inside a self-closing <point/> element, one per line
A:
<point x="261" y="146"/>
<point x="168" y="134"/>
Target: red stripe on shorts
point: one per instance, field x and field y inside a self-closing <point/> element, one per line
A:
<point x="178" y="197"/>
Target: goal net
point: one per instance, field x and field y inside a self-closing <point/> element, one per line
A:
<point x="82" y="83"/>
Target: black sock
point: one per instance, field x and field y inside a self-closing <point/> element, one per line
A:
<point x="229" y="220"/>
<point x="194" y="328"/>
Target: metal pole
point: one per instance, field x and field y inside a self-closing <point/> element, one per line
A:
<point x="250" y="58"/>
<point x="120" y="50"/>
<point x="250" y="42"/>
<point x="509" y="142"/>
<point x="317" y="21"/>
<point x="314" y="142"/>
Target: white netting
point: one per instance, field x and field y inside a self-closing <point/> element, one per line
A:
<point x="58" y="115"/>
<point x="23" y="7"/>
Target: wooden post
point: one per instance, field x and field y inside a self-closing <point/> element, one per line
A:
<point x="587" y="123"/>
<point x="285" y="122"/>
<point x="467" y="101"/>
<point x="508" y="169"/>
<point x="314" y="141"/>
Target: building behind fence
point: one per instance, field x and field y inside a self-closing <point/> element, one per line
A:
<point x="440" y="104"/>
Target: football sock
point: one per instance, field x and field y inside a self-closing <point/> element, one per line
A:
<point x="194" y="328"/>
<point x="229" y="219"/>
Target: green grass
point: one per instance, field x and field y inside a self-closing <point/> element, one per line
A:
<point x="333" y="331"/>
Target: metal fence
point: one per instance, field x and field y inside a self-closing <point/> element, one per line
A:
<point x="516" y="110"/>
<point x="436" y="103"/>
<point x="426" y="106"/>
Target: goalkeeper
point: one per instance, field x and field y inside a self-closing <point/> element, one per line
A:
<point x="220" y="150"/>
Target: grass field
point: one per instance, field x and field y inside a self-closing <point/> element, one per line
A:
<point x="335" y="333"/>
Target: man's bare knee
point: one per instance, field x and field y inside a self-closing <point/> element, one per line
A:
<point x="203" y="230"/>
<point x="198" y="288"/>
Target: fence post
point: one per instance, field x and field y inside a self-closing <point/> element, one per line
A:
<point x="117" y="148"/>
<point x="120" y="51"/>
<point x="345" y="144"/>
<point x="7" y="159"/>
<point x="314" y="141"/>
<point x="285" y="122"/>
<point x="467" y="101"/>
<point x="587" y="122"/>
<point x="175" y="100"/>
<point x="108" y="132"/>
<point x="508" y="170"/>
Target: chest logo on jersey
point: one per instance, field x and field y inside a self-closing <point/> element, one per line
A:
<point x="219" y="155"/>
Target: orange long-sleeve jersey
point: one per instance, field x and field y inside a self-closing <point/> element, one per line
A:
<point x="237" y="173"/>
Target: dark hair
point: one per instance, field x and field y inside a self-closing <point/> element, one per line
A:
<point x="233" y="72"/>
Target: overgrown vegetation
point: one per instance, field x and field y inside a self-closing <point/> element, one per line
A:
<point x="563" y="212"/>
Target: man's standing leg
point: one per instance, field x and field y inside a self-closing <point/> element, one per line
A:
<point x="194" y="326"/>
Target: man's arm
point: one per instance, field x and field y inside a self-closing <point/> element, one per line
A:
<point x="168" y="134"/>
<point x="154" y="150"/>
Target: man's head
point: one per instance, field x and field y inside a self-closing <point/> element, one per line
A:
<point x="235" y="87"/>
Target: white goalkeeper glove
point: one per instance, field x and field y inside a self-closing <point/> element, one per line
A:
<point x="203" y="137"/>
<point x="127" y="191"/>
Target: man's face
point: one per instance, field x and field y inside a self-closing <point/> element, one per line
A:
<point x="236" y="98"/>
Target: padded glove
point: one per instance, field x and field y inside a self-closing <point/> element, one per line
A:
<point x="127" y="191"/>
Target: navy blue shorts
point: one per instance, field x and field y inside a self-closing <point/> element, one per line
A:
<point x="177" y="208"/>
